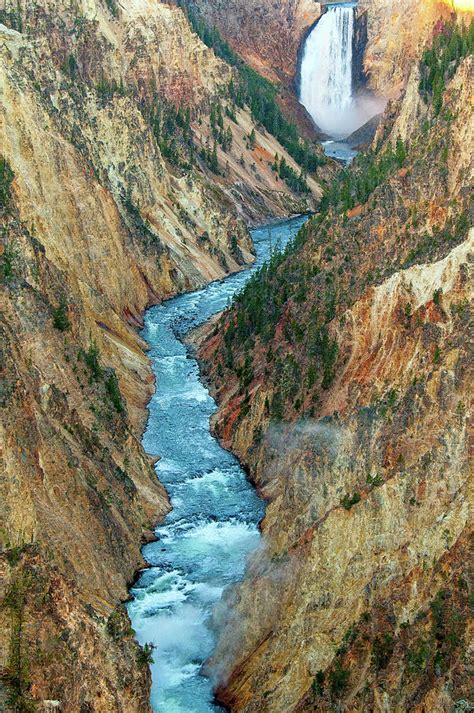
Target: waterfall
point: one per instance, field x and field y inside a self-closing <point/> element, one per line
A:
<point x="326" y="73"/>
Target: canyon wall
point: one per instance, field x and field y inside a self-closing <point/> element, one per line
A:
<point x="343" y="377"/>
<point x="270" y="36"/>
<point x="396" y="33"/>
<point x="266" y="34"/>
<point x="127" y="175"/>
<point x="102" y="214"/>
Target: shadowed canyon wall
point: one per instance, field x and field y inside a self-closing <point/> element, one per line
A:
<point x="266" y="34"/>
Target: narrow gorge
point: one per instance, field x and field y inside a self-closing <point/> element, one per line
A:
<point x="236" y="277"/>
<point x="202" y="545"/>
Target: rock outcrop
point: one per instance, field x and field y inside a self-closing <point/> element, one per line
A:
<point x="396" y="33"/>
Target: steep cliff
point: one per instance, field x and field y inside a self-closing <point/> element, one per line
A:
<point x="126" y="171"/>
<point x="343" y="376"/>
<point x="270" y="35"/>
<point x="266" y="34"/>
<point x="396" y="34"/>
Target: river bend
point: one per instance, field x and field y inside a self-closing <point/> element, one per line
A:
<point x="203" y="543"/>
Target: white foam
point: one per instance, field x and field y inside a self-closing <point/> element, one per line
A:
<point x="207" y="593"/>
<point x="212" y="478"/>
<point x="167" y="590"/>
<point x="231" y="536"/>
<point x="168" y="465"/>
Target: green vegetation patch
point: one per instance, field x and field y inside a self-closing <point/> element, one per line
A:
<point x="6" y="178"/>
<point x="451" y="43"/>
<point x="249" y="88"/>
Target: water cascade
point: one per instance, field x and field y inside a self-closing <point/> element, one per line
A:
<point x="326" y="70"/>
<point x="326" y="75"/>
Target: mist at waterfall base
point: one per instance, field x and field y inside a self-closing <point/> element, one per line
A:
<point x="326" y="76"/>
<point x="205" y="540"/>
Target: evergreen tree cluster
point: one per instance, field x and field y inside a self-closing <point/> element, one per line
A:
<point x="353" y="187"/>
<point x="172" y="131"/>
<point x="249" y="88"/>
<point x="451" y="43"/>
<point x="209" y="156"/>
<point x="139" y="226"/>
<point x="6" y="178"/>
<point x="260" y="95"/>
<point x="112" y="7"/>
<point x="209" y="35"/>
<point x="12" y="18"/>
<point x="60" y="315"/>
<point x="301" y="298"/>
<point x="9" y="253"/>
<point x="297" y="182"/>
<point x="222" y="135"/>
<point x="100" y="375"/>
<point x="257" y="312"/>
<point x="105" y="88"/>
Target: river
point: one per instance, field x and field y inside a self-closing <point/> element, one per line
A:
<point x="204" y="542"/>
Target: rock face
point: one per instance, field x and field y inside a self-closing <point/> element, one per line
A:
<point x="347" y="396"/>
<point x="396" y="32"/>
<point x="359" y="46"/>
<point x="267" y="34"/>
<point x="97" y="223"/>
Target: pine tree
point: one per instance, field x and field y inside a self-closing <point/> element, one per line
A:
<point x="400" y="152"/>
<point x="213" y="161"/>
<point x="252" y="139"/>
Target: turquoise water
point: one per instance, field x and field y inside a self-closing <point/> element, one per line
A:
<point x="204" y="542"/>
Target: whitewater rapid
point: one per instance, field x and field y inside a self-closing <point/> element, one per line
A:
<point x="204" y="542"/>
